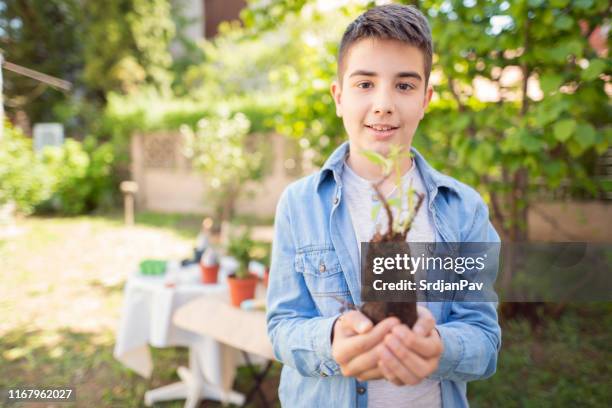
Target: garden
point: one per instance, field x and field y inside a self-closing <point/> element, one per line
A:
<point x="520" y="112"/>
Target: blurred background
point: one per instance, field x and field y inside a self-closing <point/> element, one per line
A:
<point x="211" y="107"/>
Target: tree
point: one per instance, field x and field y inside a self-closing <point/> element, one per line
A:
<point x="222" y="149"/>
<point x="42" y="35"/>
<point x="127" y="44"/>
<point x="509" y="145"/>
<point x="100" y="47"/>
<point x="521" y="138"/>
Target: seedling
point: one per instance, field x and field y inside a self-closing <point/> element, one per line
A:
<point x="397" y="230"/>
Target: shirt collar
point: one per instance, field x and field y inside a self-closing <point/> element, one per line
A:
<point x="433" y="179"/>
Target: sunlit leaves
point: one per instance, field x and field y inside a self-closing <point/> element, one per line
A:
<point x="564" y="129"/>
<point x="595" y="68"/>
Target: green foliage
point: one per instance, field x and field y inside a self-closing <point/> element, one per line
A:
<point x="80" y="176"/>
<point x="512" y="144"/>
<point x="126" y="44"/>
<point x="240" y="247"/>
<point x="24" y="27"/>
<point x="23" y="178"/>
<point x="100" y="47"/>
<point x="221" y="148"/>
<point x="507" y="146"/>
<point x="70" y="179"/>
<point x="560" y="362"/>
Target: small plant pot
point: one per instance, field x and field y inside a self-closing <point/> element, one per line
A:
<point x="241" y="289"/>
<point x="209" y="273"/>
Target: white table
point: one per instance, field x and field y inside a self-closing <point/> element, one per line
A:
<point x="146" y="319"/>
<point x="239" y="329"/>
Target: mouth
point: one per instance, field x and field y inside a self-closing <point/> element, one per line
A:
<point x="382" y="131"/>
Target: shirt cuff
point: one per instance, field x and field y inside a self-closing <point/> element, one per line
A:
<point x="452" y="353"/>
<point x="321" y="344"/>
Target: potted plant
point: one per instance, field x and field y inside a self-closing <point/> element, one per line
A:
<point x="209" y="266"/>
<point x="241" y="283"/>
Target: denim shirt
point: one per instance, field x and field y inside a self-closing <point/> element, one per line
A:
<point x="315" y="260"/>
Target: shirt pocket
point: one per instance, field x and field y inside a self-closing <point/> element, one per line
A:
<point x="324" y="278"/>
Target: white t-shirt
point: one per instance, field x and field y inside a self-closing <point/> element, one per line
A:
<point x="361" y="199"/>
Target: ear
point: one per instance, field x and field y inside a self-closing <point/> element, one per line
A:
<point x="426" y="99"/>
<point x="336" y="91"/>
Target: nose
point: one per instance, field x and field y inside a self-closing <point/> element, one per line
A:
<point x="383" y="103"/>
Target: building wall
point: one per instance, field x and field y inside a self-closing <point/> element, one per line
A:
<point x="167" y="183"/>
<point x="217" y="11"/>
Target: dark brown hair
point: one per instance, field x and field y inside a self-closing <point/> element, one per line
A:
<point x="390" y="22"/>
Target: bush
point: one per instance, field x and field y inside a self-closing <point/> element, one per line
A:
<point x="81" y="176"/>
<point x="23" y="178"/>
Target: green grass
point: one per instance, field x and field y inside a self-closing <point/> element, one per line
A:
<point x="561" y="362"/>
<point x="60" y="299"/>
<point x="61" y="295"/>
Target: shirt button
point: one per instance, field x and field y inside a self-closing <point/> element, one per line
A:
<point x="323" y="375"/>
<point x="361" y="390"/>
<point x="336" y="199"/>
<point x="322" y="268"/>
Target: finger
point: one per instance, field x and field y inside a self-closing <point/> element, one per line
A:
<point x="372" y="374"/>
<point x="426" y="347"/>
<point x="425" y="322"/>
<point x="363" y="363"/>
<point x="348" y="348"/>
<point x="356" y="322"/>
<point x="360" y="364"/>
<point x="417" y="365"/>
<point x="397" y="369"/>
<point x="388" y="374"/>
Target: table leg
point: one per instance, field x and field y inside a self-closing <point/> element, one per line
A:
<point x="258" y="377"/>
<point x="192" y="388"/>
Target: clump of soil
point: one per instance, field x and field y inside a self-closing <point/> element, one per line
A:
<point x="405" y="311"/>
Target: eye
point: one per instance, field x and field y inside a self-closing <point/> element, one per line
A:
<point x="364" y="85"/>
<point x="405" y="86"/>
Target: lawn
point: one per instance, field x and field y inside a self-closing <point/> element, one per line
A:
<point x="61" y="292"/>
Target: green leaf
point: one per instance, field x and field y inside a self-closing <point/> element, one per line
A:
<point x="583" y="4"/>
<point x="482" y="157"/>
<point x="596" y="67"/>
<point x="394" y="202"/>
<point x="564" y="129"/>
<point x="558" y="3"/>
<point x="586" y="135"/>
<point x="462" y="122"/>
<point x="574" y="149"/>
<point x="375" y="158"/>
<point x="564" y="22"/>
<point x="375" y="211"/>
<point x="535" y="3"/>
<point x="559" y="53"/>
<point x="512" y="142"/>
<point x="530" y="142"/>
<point x="550" y="82"/>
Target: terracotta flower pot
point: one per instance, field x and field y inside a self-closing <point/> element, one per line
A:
<point x="209" y="273"/>
<point x="241" y="289"/>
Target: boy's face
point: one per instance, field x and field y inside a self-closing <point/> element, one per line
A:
<point x="382" y="96"/>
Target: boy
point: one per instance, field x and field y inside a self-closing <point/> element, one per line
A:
<point x="336" y="360"/>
